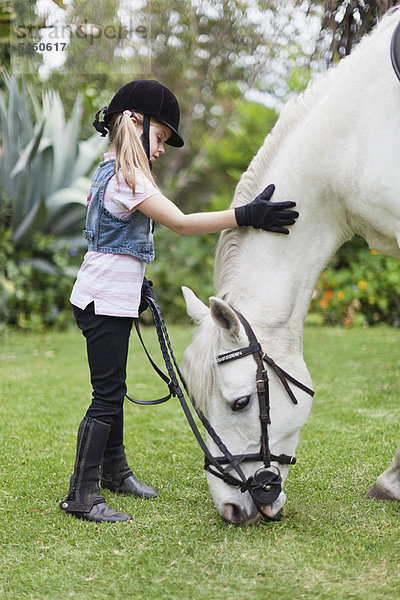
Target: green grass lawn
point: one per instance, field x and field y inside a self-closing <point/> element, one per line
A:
<point x="333" y="543"/>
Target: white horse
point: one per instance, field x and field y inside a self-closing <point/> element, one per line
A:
<point x="335" y="151"/>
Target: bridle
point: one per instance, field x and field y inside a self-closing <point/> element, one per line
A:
<point x="265" y="484"/>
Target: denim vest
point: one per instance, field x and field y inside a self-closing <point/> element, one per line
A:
<point x="106" y="232"/>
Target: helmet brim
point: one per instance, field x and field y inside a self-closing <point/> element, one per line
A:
<point x="174" y="139"/>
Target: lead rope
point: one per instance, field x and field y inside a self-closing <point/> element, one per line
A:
<point x="162" y="375"/>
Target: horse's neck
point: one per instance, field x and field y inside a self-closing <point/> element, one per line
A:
<point x="270" y="277"/>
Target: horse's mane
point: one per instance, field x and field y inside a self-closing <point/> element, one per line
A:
<point x="248" y="187"/>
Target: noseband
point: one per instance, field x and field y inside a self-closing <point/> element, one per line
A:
<point x="265" y="484"/>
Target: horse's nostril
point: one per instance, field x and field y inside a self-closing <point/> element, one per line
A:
<point x="233" y="513"/>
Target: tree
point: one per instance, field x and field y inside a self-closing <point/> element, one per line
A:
<point x="209" y="53"/>
<point x="19" y="23"/>
<point x="224" y="163"/>
<point x="346" y="21"/>
<point x="204" y="51"/>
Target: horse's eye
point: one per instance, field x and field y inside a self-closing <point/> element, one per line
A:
<point x="241" y="403"/>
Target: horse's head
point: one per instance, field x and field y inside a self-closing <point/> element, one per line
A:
<point x="226" y="392"/>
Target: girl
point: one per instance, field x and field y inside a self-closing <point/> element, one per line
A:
<point x="123" y="201"/>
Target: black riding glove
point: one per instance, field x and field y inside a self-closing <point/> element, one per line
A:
<point x="262" y="214"/>
<point x="146" y="292"/>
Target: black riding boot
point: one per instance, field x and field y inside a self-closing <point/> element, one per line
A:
<point x="116" y="475"/>
<point x="84" y="499"/>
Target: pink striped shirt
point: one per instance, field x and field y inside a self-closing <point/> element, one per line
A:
<point x="114" y="281"/>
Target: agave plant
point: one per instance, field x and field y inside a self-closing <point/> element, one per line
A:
<point x="43" y="165"/>
<point x="43" y="189"/>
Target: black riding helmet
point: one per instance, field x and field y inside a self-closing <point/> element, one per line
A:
<point x="150" y="98"/>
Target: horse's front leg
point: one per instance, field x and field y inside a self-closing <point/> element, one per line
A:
<point x="387" y="486"/>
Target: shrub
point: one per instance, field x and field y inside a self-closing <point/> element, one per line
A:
<point x="359" y="286"/>
<point x="181" y="261"/>
<point x="34" y="293"/>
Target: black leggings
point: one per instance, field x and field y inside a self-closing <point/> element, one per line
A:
<point x="107" y="341"/>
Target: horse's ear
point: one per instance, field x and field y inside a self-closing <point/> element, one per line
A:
<point x="196" y="309"/>
<point x="224" y="316"/>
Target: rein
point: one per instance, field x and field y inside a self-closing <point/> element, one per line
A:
<point x="266" y="483"/>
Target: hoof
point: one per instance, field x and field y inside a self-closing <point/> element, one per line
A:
<point x="378" y="493"/>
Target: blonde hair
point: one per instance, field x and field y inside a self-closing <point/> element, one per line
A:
<point x="130" y="154"/>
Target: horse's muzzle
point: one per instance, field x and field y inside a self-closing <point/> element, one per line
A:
<point x="244" y="514"/>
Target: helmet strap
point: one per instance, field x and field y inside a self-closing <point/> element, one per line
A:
<point x="145" y="137"/>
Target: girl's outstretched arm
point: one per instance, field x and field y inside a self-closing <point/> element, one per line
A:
<point x="260" y="213"/>
<point x="163" y="211"/>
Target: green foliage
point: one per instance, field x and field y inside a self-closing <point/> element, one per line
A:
<point x="299" y="70"/>
<point x="181" y="261"/>
<point x="35" y="282"/>
<point x="225" y="161"/>
<point x="14" y="16"/>
<point x="43" y="172"/>
<point x="359" y="286"/>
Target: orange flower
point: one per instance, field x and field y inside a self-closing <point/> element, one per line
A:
<point x="323" y="303"/>
<point x="328" y="295"/>
<point x="348" y="322"/>
<point x="374" y="252"/>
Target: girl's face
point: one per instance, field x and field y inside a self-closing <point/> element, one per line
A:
<point x="159" y="134"/>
